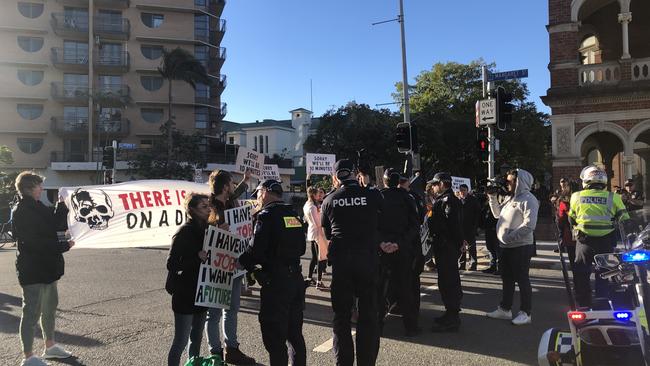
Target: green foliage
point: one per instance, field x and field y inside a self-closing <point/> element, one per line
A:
<point x="185" y="156"/>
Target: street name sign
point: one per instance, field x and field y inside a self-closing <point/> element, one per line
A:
<point x="506" y="75"/>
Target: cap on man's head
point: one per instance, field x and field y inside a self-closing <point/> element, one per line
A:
<point x="343" y="169"/>
<point x="629" y="182"/>
<point x="269" y="185"/>
<point x="441" y="177"/>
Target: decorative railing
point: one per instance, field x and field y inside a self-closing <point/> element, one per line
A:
<point x="599" y="74"/>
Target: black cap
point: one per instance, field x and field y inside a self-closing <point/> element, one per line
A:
<point x="441" y="177"/>
<point x="629" y="182"/>
<point x="270" y="185"/>
<point x="392" y="177"/>
<point x="343" y="168"/>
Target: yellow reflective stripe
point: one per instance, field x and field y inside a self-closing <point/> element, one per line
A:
<point x="610" y="201"/>
<point x="595" y="218"/>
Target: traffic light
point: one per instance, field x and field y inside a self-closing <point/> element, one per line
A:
<point x="403" y="137"/>
<point x="504" y="109"/>
<point x="107" y="158"/>
<point x="482" y="145"/>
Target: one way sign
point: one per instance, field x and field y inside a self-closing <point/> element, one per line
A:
<point x="486" y="112"/>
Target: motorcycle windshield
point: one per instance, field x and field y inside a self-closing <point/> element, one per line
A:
<point x="636" y="231"/>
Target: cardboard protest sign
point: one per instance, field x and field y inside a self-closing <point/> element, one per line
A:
<point x="252" y="202"/>
<point x="271" y="171"/>
<point x="214" y="285"/>
<point x="457" y="181"/>
<point x="131" y="214"/>
<point x="320" y="164"/>
<point x="251" y="160"/>
<point x="240" y="223"/>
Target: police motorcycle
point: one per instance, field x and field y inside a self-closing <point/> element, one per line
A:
<point x="614" y="331"/>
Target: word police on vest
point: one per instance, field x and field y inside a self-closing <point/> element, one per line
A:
<point x="350" y="201"/>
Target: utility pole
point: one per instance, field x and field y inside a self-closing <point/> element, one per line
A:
<point x="415" y="157"/>
<point x="490" y="127"/>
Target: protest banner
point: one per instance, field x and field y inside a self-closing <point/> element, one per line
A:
<point x="320" y="164"/>
<point x="251" y="160"/>
<point x="271" y="171"/>
<point x="131" y="214"/>
<point x="214" y="285"/>
<point x="457" y="181"/>
<point x="240" y="224"/>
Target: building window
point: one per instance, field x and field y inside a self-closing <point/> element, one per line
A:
<point x="152" y="20"/>
<point x="202" y="92"/>
<point x="231" y="140"/>
<point x="152" y="115"/>
<point x="30" y="111"/>
<point x="262" y="144"/>
<point x="30" y="44"/>
<point x="255" y="138"/>
<point x="146" y="144"/>
<point x="202" y="27"/>
<point x="75" y="52"/>
<point x="201" y="117"/>
<point x="30" y="77"/>
<point x="202" y="53"/>
<point x="29" y="145"/>
<point x="151" y="83"/>
<point x="266" y="142"/>
<point x="30" y="10"/>
<point x="151" y="52"/>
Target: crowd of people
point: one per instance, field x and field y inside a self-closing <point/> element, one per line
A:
<point x="372" y="238"/>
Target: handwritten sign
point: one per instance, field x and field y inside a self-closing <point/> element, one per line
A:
<point x="251" y="160"/>
<point x="320" y="164"/>
<point x="271" y="171"/>
<point x="457" y="181"/>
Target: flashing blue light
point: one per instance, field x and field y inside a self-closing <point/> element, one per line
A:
<point x="623" y="315"/>
<point x="636" y="256"/>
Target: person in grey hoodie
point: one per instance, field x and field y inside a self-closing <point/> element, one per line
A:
<point x="517" y="218"/>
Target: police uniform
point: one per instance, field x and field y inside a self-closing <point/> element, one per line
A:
<point x="418" y="260"/>
<point x="350" y="219"/>
<point x="444" y="228"/>
<point x="593" y="213"/>
<point x="398" y="224"/>
<point x="277" y="245"/>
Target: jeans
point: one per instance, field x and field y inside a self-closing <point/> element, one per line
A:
<point x="39" y="302"/>
<point x="492" y="244"/>
<point x="515" y="265"/>
<point x="229" y="321"/>
<point x="186" y="327"/>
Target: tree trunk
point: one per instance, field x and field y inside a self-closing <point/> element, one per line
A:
<point x="169" y="130"/>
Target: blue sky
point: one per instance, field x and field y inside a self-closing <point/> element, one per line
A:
<point x="274" y="49"/>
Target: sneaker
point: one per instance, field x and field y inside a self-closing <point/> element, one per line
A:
<point x="490" y="270"/>
<point x="321" y="286"/>
<point x="34" y="361"/>
<point x="310" y="281"/>
<point x="236" y="357"/>
<point x="500" y="313"/>
<point x="56" y="352"/>
<point x="450" y="324"/>
<point x="522" y="318"/>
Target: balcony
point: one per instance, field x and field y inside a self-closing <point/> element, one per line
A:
<point x="69" y="93"/>
<point x="218" y="84"/>
<point x="112" y="28"/>
<point x="114" y="4"/>
<point x="77" y="126"/>
<point x="223" y="110"/>
<point x="69" y="26"/>
<point x="217" y="61"/>
<point x="67" y="60"/>
<point x="75" y="3"/>
<point x="641" y="69"/>
<point x="203" y="99"/>
<point x="71" y="157"/>
<point x="212" y="37"/>
<point x="113" y="95"/>
<point x="220" y="31"/>
<point x="599" y="74"/>
<point x="112" y="62"/>
<point x="212" y="7"/>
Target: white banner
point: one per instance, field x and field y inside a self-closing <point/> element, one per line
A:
<point x="271" y="171"/>
<point x="457" y="181"/>
<point x="320" y="164"/>
<point x="131" y="214"/>
<point x="214" y="285"/>
<point x="251" y="160"/>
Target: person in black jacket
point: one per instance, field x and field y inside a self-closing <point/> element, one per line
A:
<point x="183" y="263"/>
<point x="39" y="264"/>
<point x="277" y="245"/>
<point x="470" y="212"/>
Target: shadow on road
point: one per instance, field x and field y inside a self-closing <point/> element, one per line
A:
<point x="74" y="361"/>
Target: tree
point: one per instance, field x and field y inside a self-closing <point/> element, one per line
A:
<point x="179" y="64"/>
<point x="354" y="127"/>
<point x="443" y="101"/>
<point x="155" y="163"/>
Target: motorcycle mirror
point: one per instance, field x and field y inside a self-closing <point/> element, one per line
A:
<point x="607" y="260"/>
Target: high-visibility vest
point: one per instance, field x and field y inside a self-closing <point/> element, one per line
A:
<point x="596" y="211"/>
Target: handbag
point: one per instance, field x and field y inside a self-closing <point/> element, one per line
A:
<point x="213" y="360"/>
<point x="171" y="284"/>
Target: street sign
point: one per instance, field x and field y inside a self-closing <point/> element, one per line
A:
<point x="513" y="74"/>
<point x="486" y="112"/>
<point x="126" y="146"/>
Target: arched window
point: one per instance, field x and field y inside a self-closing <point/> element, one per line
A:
<point x="29" y="145"/>
<point x="30" y="77"/>
<point x="152" y="20"/>
<point x="30" y="111"/>
<point x="151" y="83"/>
<point x="152" y="115"/>
<point x="151" y="52"/>
<point x="590" y="51"/>
<point x="30" y="44"/>
<point x="30" y="10"/>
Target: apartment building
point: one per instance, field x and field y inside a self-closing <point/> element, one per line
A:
<point x="77" y="74"/>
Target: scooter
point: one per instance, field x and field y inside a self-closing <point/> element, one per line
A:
<point x="614" y="331"/>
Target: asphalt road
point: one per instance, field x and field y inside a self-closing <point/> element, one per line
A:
<point x="113" y="310"/>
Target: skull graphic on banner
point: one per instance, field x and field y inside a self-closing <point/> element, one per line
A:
<point x="92" y="207"/>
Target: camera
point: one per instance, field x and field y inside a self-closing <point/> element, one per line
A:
<point x="496" y="186"/>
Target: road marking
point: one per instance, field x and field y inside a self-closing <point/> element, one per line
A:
<point x="328" y="344"/>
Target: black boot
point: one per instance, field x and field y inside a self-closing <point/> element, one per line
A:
<point x="450" y="324"/>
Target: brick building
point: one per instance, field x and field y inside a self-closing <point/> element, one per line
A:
<point x="600" y="88"/>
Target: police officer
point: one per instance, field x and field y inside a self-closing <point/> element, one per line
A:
<point x="399" y="224"/>
<point x="350" y="219"/>
<point x="593" y="213"/>
<point x="444" y="228"/>
<point x="632" y="199"/>
<point x="274" y="259"/>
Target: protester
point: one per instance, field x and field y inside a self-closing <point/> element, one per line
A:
<point x="223" y="194"/>
<point x="39" y="264"/>
<point x="315" y="236"/>
<point x="517" y="218"/>
<point x="445" y="231"/>
<point x="418" y="258"/>
<point x="277" y="245"/>
<point x="429" y="199"/>
<point x="470" y="212"/>
<point x="564" y="226"/>
<point x="489" y="224"/>
<point x="350" y="217"/>
<point x="183" y="263"/>
<point x="632" y="198"/>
